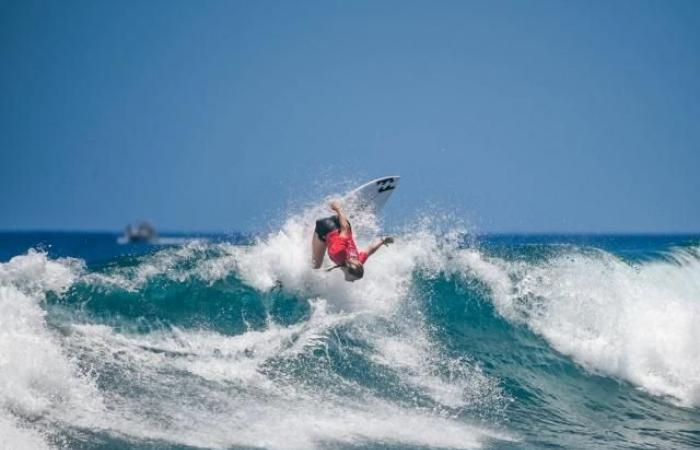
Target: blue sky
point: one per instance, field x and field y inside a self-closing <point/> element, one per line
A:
<point x="217" y="116"/>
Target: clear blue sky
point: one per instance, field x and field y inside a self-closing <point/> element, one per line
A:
<point x="207" y="115"/>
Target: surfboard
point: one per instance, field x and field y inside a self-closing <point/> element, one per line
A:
<point x="373" y="195"/>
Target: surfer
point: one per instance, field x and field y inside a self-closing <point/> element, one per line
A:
<point x="335" y="234"/>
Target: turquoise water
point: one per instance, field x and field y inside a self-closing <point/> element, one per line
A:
<point x="451" y="341"/>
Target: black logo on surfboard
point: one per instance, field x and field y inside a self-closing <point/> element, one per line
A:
<point x="386" y="184"/>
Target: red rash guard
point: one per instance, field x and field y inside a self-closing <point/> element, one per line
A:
<point x="341" y="248"/>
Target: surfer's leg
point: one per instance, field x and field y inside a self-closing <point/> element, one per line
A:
<point x="318" y="251"/>
<point x="318" y="242"/>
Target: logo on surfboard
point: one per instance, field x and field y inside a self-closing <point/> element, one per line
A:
<point x="386" y="184"/>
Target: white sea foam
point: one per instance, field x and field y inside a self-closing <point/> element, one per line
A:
<point x="15" y="436"/>
<point x="37" y="379"/>
<point x="284" y="257"/>
<point x="636" y="322"/>
<point x="205" y="389"/>
<point x="242" y="403"/>
<point x="232" y="398"/>
<point x="170" y="263"/>
<point x="454" y="383"/>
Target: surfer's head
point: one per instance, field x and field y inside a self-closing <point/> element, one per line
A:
<point x="353" y="269"/>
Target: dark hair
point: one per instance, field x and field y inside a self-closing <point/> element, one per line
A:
<point x="356" y="270"/>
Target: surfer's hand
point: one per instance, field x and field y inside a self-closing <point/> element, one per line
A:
<point x="377" y="245"/>
<point x="335" y="205"/>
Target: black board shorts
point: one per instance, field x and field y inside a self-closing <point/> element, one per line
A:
<point x="325" y="226"/>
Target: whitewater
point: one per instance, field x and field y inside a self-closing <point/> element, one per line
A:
<point x="451" y="341"/>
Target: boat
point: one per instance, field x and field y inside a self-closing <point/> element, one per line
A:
<point x="143" y="232"/>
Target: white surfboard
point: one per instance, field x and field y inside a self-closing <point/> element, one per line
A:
<point x="373" y="195"/>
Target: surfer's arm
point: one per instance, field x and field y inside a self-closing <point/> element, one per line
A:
<point x="374" y="247"/>
<point x="344" y="224"/>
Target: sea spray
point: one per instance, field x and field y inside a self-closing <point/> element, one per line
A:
<point x="38" y="380"/>
<point x="445" y="343"/>
<point x="633" y="321"/>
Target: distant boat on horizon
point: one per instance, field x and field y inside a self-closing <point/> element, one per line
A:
<point x="143" y="233"/>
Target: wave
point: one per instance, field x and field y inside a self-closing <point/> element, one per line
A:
<point x="216" y="345"/>
<point x="632" y="321"/>
<point x="38" y="379"/>
<point x="273" y="385"/>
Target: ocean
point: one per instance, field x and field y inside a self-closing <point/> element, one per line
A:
<point x="453" y="340"/>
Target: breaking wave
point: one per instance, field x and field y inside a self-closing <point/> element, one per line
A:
<point x="443" y="344"/>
